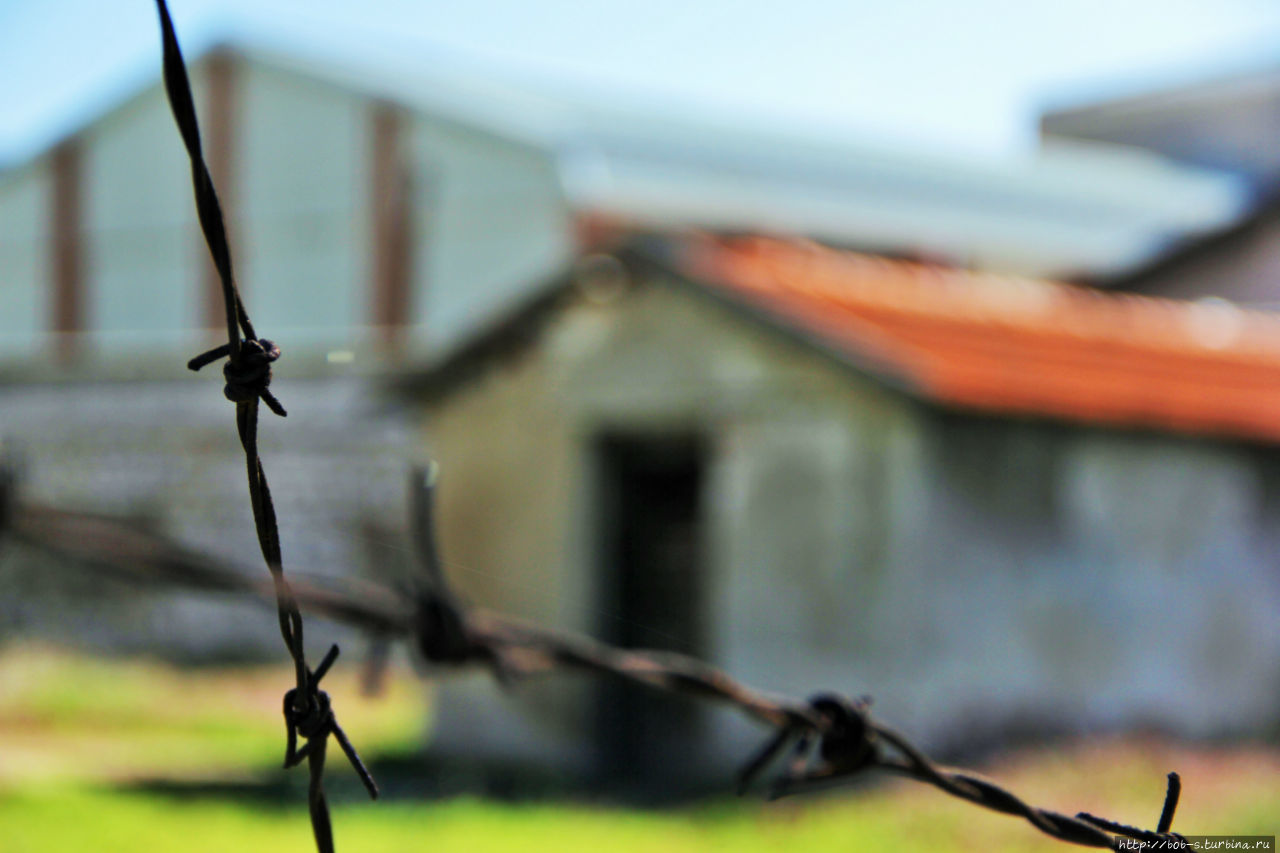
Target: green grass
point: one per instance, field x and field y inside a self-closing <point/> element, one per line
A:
<point x="64" y="717"/>
<point x="76" y="735"/>
<point x="77" y="818"/>
<point x="108" y="821"/>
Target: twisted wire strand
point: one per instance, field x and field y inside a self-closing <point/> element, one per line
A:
<point x="831" y="738"/>
<point x="248" y="374"/>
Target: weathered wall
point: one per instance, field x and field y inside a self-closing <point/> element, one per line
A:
<point x="167" y="450"/>
<point x="517" y="502"/>
<point x="1084" y="577"/>
<point x="977" y="576"/>
<point x="973" y="574"/>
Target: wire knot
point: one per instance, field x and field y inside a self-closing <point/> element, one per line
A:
<point x="848" y="742"/>
<point x="314" y="721"/>
<point x="441" y="631"/>
<point x="247" y="373"/>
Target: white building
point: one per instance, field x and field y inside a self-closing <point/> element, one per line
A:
<point x="373" y="206"/>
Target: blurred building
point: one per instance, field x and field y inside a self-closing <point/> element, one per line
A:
<point x="1229" y="123"/>
<point x="995" y="503"/>
<point x="377" y="210"/>
<point x="971" y="507"/>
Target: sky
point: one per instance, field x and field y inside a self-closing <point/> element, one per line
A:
<point x="945" y="76"/>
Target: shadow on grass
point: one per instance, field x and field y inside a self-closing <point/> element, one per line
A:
<point x="415" y="777"/>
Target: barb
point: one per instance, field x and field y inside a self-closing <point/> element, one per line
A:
<point x="248" y="373"/>
<point x="1163" y="838"/>
<point x="315" y="725"/>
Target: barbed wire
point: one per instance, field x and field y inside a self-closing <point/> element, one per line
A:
<point x="308" y="710"/>
<point x="827" y="739"/>
<point x="830" y="738"/>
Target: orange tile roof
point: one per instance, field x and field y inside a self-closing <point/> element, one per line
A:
<point x="1017" y="345"/>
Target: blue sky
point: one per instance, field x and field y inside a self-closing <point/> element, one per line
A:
<point x="964" y="78"/>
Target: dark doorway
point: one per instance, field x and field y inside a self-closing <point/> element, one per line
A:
<point x="651" y="586"/>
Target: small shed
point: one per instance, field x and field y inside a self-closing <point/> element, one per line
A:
<point x="998" y="505"/>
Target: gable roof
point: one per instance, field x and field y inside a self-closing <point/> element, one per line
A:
<point x="989" y="343"/>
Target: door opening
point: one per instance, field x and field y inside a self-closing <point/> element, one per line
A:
<point x="651" y="592"/>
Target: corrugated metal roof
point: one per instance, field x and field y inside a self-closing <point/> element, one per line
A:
<point x="1007" y="344"/>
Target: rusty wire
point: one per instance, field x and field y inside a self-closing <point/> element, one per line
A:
<point x="830" y="738"/>
<point x="307" y="709"/>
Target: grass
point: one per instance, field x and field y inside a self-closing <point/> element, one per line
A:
<point x="75" y="734"/>
<point x="70" y="718"/>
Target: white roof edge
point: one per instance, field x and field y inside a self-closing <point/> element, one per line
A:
<point x="1113" y="190"/>
<point x="474" y="101"/>
<point x="1087" y="210"/>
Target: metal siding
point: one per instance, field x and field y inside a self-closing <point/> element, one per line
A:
<point x="490" y="221"/>
<point x="24" y="260"/>
<point x="304" y="229"/>
<point x="139" y="274"/>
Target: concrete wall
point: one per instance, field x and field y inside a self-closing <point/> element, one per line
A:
<point x="1083" y="577"/>
<point x="795" y="443"/>
<point x="167" y="451"/>
<point x="978" y="576"/>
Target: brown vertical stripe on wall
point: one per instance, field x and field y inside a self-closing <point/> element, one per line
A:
<point x="219" y="144"/>
<point x="390" y="246"/>
<point x="67" y="319"/>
